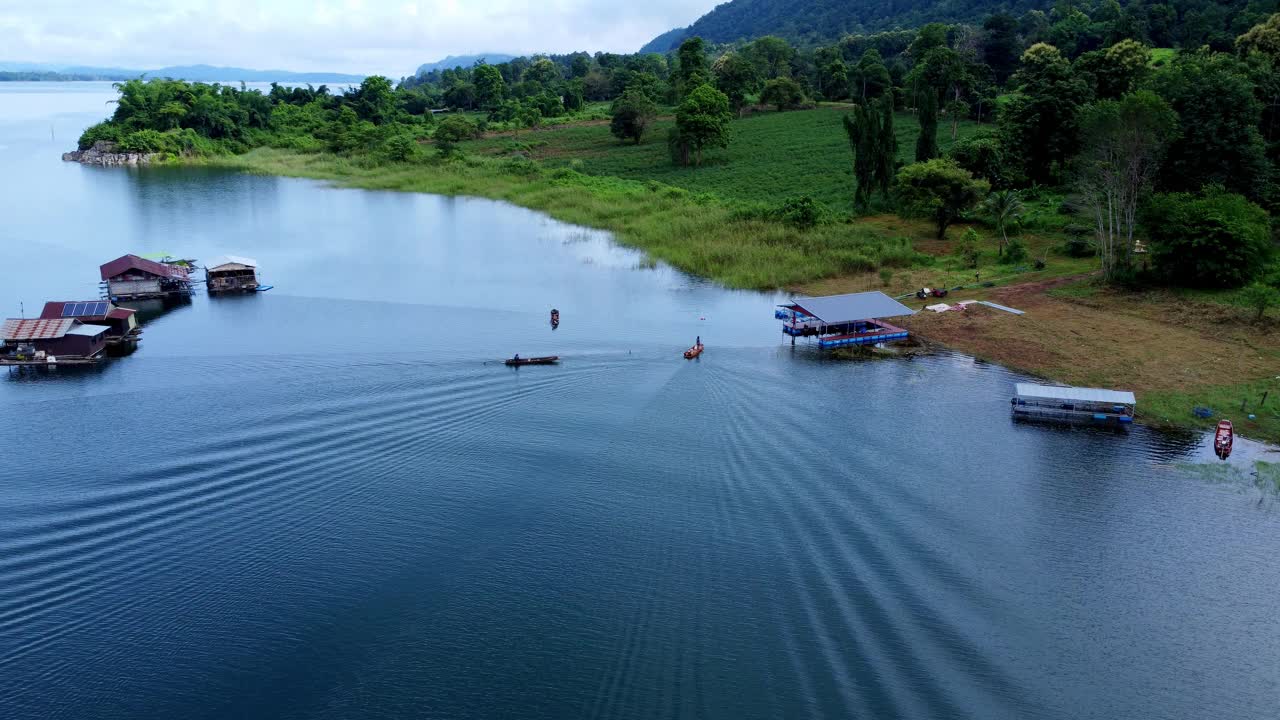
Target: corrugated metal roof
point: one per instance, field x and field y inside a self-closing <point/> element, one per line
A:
<point x="19" y="330"/>
<point x="88" y="330"/>
<point x="232" y="260"/>
<point x="126" y="263"/>
<point x="121" y="313"/>
<point x="854" y="306"/>
<point x="1054" y="392"/>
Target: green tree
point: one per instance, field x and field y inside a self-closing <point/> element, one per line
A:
<point x="887" y="147"/>
<point x="702" y="121"/>
<point x="1124" y="141"/>
<point x="927" y="114"/>
<point x="833" y="79"/>
<point x="574" y="94"/>
<point x="968" y="249"/>
<point x="870" y="77"/>
<point x="632" y="115"/>
<point x="544" y="72"/>
<point x="983" y="156"/>
<point x="1001" y="45"/>
<point x="1038" y="125"/>
<point x="1263" y="38"/>
<point x="1003" y="208"/>
<point x="1218" y="116"/>
<point x="452" y="130"/>
<point x="1260" y="297"/>
<point x="401" y="147"/>
<point x="772" y="57"/>
<point x="939" y="190"/>
<point x="491" y="89"/>
<point x="736" y="77"/>
<point x="375" y="101"/>
<point x="928" y="37"/>
<point x="783" y="93"/>
<point x="863" y="129"/>
<point x="1214" y="239"/>
<point x="692" y="70"/>
<point x="1115" y="71"/>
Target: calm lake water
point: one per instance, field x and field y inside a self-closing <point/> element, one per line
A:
<point x="327" y="501"/>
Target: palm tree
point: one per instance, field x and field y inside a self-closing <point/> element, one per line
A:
<point x="1004" y="207"/>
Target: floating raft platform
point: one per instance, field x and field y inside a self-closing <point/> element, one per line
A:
<point x="868" y="332"/>
<point x="1073" y="404"/>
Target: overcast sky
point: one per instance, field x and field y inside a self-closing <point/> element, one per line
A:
<point x="391" y="37"/>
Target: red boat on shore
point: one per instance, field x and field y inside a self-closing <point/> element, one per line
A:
<point x="1223" y="438"/>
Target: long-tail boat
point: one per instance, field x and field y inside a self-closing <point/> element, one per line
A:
<point x="1223" y="439"/>
<point x="518" y="361"/>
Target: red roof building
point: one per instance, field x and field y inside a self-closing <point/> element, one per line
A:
<point x="132" y="265"/>
<point x="60" y="336"/>
<point x="133" y="278"/>
<point x="122" y="321"/>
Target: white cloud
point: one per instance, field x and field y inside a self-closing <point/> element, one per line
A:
<point x="360" y="36"/>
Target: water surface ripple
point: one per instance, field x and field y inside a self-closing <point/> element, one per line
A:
<point x="331" y="500"/>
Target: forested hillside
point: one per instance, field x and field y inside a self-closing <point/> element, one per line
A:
<point x="1187" y="23"/>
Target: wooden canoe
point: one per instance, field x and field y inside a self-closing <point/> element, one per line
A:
<point x="549" y="360"/>
<point x="693" y="352"/>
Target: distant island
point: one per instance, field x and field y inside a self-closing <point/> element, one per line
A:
<point x="193" y="73"/>
<point x="463" y="61"/>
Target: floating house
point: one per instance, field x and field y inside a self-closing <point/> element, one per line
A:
<point x="48" y="341"/>
<point x="134" y="278"/>
<point x="230" y="274"/>
<point x="1073" y="404"/>
<point x="122" y="322"/>
<point x="843" y="320"/>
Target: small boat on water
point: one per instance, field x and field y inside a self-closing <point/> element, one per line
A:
<point x="519" y="361"/>
<point x="693" y="352"/>
<point x="555" y="316"/>
<point x="1223" y="439"/>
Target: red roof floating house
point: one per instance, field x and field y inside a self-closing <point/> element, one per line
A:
<point x="25" y="340"/>
<point x="123" y="322"/>
<point x="134" y="278"/>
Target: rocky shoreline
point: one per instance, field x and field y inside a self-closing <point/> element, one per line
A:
<point x="105" y="153"/>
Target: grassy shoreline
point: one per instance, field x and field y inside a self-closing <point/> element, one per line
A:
<point x="705" y="235"/>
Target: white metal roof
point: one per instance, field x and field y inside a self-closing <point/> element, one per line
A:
<point x="232" y="260"/>
<point x="89" y="330"/>
<point x="1053" y="392"/>
<point x="854" y="306"/>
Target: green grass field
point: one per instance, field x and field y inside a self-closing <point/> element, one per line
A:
<point x="771" y="156"/>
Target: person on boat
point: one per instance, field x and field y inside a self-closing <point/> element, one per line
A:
<point x="517" y="357"/>
<point x="698" y="342"/>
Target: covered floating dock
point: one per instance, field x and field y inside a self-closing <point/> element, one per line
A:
<point x="843" y="320"/>
<point x="1073" y="404"/>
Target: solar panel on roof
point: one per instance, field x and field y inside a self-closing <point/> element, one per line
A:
<point x="98" y="308"/>
<point x="67" y="310"/>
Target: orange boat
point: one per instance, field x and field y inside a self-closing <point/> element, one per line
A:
<point x="1223" y="439"/>
<point x="693" y="352"/>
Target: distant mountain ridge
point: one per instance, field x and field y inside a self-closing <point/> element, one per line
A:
<point x="193" y="73"/>
<point x="465" y="61"/>
<point x="814" y="21"/>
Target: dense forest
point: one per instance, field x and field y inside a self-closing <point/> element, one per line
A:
<point x="1186" y="23"/>
<point x="1177" y="146"/>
